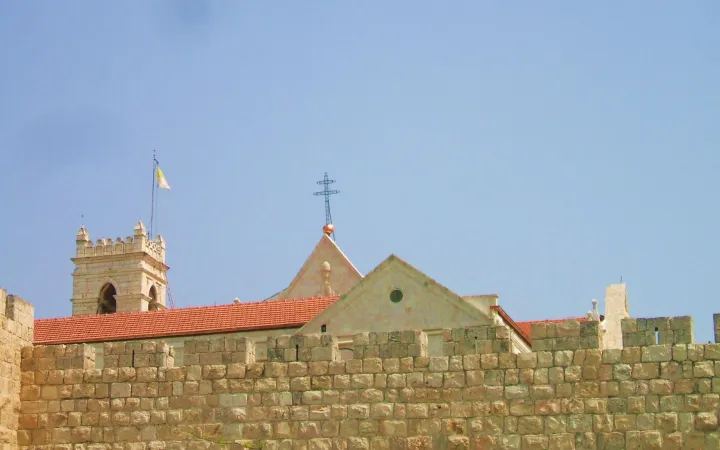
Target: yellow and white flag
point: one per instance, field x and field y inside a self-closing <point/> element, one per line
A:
<point x="161" y="181"/>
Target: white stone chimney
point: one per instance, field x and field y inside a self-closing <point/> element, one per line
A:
<point x="616" y="309"/>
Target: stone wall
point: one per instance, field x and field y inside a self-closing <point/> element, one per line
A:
<point x="479" y="396"/>
<point x="16" y="331"/>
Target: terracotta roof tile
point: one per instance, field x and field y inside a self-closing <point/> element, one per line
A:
<point x="205" y="320"/>
<point x="180" y="322"/>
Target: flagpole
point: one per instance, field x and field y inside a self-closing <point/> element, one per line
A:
<point x="152" y="197"/>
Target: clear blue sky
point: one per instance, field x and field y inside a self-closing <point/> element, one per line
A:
<point x="539" y="150"/>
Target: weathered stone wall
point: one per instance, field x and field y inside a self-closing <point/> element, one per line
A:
<point x="479" y="396"/>
<point x="16" y="331"/>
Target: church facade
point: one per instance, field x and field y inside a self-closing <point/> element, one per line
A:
<point x="120" y="291"/>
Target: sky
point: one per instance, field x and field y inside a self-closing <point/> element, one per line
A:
<point x="537" y="150"/>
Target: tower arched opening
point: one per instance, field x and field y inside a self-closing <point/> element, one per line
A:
<point x="106" y="300"/>
<point x="153" y="305"/>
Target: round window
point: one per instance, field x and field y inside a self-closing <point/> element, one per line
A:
<point x="396" y="295"/>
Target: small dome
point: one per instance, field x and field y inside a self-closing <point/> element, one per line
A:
<point x="329" y="229"/>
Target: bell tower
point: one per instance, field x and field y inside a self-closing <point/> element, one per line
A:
<point x="121" y="276"/>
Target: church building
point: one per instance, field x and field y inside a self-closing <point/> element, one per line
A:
<point x="120" y="293"/>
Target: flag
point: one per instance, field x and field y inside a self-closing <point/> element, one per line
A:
<point x="161" y="181"/>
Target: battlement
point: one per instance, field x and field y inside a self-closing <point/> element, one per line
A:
<point x="566" y="335"/>
<point x="658" y="330"/>
<point x="138" y="354"/>
<point x="476" y="340"/>
<point x="58" y="357"/>
<point x="390" y="395"/>
<point x="16" y="332"/>
<point x="308" y="347"/>
<point x="17" y="317"/>
<point x="396" y="344"/>
<point x="137" y="243"/>
<point x="219" y="351"/>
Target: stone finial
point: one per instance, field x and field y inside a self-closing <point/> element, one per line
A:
<point x="595" y="311"/>
<point x="326" y="272"/>
<point x="160" y="240"/>
<point x="329" y="229"/>
<point x="82" y="235"/>
<point x="140" y="229"/>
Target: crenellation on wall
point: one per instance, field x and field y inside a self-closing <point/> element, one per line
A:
<point x="137" y="354"/>
<point x="58" y="357"/>
<point x="657" y="330"/>
<point x="477" y="340"/>
<point x="137" y="243"/>
<point x="224" y="350"/>
<point x="566" y="335"/>
<point x="307" y="347"/>
<point x="392" y="344"/>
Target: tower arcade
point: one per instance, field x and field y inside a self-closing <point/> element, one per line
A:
<point x="120" y="276"/>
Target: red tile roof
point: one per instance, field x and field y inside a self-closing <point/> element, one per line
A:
<point x="180" y="322"/>
<point x="206" y="320"/>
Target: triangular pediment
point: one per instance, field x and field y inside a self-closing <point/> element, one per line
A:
<point x="309" y="280"/>
<point x="374" y="304"/>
